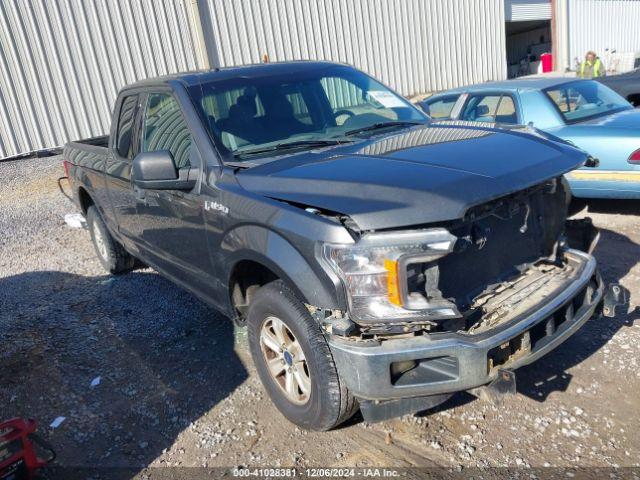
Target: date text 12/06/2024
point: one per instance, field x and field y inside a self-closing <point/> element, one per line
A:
<point x="315" y="472"/>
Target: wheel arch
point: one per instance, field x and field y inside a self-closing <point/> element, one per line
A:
<point x="257" y="255"/>
<point x="84" y="199"/>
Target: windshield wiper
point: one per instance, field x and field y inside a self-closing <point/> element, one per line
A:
<point x="290" y="145"/>
<point x="380" y="125"/>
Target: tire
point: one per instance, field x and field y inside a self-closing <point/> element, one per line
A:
<point x="328" y="402"/>
<point x="576" y="206"/>
<point x="113" y="257"/>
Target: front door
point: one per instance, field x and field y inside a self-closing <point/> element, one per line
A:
<point x="118" y="170"/>
<point x="171" y="222"/>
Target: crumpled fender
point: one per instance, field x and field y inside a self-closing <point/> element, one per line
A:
<point x="313" y="284"/>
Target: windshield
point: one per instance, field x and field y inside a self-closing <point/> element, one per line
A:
<point x="582" y="100"/>
<point x="328" y="105"/>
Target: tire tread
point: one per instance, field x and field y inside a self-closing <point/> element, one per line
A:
<point x="120" y="261"/>
<point x="342" y="404"/>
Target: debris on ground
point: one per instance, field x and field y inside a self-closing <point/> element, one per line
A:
<point x="75" y="220"/>
<point x="57" y="422"/>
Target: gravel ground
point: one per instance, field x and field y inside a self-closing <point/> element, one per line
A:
<point x="177" y="387"/>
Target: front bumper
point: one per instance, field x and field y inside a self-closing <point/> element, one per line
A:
<point x="451" y="362"/>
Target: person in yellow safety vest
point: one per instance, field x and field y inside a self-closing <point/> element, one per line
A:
<point x="592" y="66"/>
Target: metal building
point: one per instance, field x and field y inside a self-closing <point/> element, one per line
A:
<point x="412" y="45"/>
<point x="63" y="61"/>
<point x="599" y="25"/>
<point x="570" y="28"/>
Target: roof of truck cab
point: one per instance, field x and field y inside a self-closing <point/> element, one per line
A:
<point x="254" y="70"/>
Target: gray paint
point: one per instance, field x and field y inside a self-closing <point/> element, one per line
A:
<point x="198" y="247"/>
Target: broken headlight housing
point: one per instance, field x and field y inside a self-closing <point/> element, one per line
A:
<point x="375" y="273"/>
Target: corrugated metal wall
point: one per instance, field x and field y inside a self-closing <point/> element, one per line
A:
<point x="412" y="45"/>
<point x="523" y="10"/>
<point x="63" y="61"/>
<point x="601" y="24"/>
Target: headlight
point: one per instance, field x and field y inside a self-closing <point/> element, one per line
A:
<point x="374" y="272"/>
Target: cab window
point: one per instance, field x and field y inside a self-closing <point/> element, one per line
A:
<point x="440" y="109"/>
<point x="164" y="128"/>
<point x="128" y="108"/>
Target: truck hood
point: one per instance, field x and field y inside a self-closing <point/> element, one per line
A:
<point x="423" y="175"/>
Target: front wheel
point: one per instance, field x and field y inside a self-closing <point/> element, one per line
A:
<point x="294" y="361"/>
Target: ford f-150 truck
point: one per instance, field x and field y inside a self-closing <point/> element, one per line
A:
<point x="379" y="261"/>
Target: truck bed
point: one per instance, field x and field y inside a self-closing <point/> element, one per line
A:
<point x="102" y="141"/>
<point x="89" y="153"/>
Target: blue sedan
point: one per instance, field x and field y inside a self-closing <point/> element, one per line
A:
<point x="588" y="114"/>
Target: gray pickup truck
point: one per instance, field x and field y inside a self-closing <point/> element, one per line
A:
<point x="379" y="261"/>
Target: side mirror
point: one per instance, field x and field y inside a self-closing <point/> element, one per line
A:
<point x="157" y="171"/>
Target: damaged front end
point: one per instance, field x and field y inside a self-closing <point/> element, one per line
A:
<point x="464" y="276"/>
<point x="447" y="308"/>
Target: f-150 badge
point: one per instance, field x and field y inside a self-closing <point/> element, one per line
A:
<point x="215" y="206"/>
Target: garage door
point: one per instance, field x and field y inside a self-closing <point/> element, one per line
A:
<point x="524" y="10"/>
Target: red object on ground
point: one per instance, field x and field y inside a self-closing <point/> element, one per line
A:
<point x="18" y="458"/>
<point x="547" y="62"/>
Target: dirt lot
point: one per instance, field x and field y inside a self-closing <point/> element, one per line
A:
<point x="177" y="387"/>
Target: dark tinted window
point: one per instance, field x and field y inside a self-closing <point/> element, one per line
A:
<point x="164" y="128"/>
<point x="124" y="145"/>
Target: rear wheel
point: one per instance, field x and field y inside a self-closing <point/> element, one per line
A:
<point x="294" y="361"/>
<point x="113" y="257"/>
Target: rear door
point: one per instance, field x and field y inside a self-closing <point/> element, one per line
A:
<point x="171" y="222"/>
<point x="123" y="147"/>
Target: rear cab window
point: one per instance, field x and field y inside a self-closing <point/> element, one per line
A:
<point x="124" y="144"/>
<point x="491" y="108"/>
